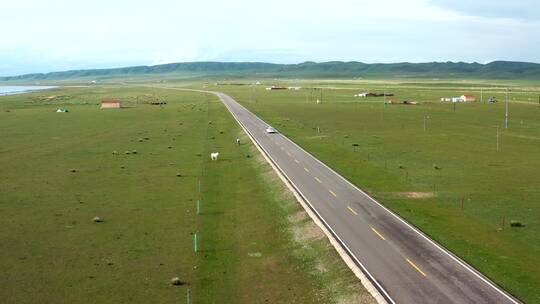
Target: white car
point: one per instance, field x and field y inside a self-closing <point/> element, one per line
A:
<point x="270" y="130"/>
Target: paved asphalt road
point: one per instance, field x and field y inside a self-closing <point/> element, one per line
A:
<point x="407" y="266"/>
<point x="404" y="264"/>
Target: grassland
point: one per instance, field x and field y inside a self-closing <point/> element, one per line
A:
<point x="436" y="164"/>
<point x="59" y="171"/>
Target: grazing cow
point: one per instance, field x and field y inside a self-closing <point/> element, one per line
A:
<point x="214" y="156"/>
<point x="238" y="141"/>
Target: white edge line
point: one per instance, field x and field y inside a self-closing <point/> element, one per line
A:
<point x="446" y="251"/>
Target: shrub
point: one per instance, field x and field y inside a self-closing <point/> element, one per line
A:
<point x="176" y="281"/>
<point x="514" y="223"/>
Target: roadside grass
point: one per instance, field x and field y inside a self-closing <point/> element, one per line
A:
<point x="59" y="171"/>
<point x="427" y="175"/>
<point x="242" y="233"/>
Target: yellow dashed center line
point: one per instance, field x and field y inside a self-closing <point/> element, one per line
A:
<point x="307" y="170"/>
<point x="317" y="179"/>
<point x="352" y="210"/>
<point x="333" y="193"/>
<point x="416" y="267"/>
<point x="377" y="233"/>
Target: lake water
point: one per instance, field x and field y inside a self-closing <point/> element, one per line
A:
<point x="11" y="90"/>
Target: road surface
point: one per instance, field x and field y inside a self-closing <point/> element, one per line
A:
<point x="405" y="265"/>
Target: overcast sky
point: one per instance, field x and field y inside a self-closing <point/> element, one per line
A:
<point x="53" y="35"/>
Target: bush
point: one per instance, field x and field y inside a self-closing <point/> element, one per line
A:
<point x="176" y="281"/>
<point x="515" y="223"/>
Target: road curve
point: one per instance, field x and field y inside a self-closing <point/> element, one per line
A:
<point x="402" y="262"/>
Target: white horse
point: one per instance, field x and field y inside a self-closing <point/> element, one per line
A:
<point x="214" y="156"/>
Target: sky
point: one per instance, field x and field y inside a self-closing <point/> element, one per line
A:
<point x="57" y="35"/>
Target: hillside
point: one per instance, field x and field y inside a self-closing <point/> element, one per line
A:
<point x="334" y="69"/>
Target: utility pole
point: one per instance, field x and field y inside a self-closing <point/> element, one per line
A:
<point x="506" y="115"/>
<point x="497" y="138"/>
<point x="481" y="95"/>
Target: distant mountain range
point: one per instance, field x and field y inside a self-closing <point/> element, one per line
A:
<point x="332" y="69"/>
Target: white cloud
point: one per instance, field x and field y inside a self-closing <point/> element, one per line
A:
<point x="59" y="34"/>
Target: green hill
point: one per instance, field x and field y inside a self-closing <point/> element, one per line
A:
<point x="333" y="69"/>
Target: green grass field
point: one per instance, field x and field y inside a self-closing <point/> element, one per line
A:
<point x="256" y="244"/>
<point x="436" y="164"/>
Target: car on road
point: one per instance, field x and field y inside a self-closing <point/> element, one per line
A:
<point x="270" y="130"/>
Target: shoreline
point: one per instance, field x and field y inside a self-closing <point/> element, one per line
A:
<point x="16" y="90"/>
